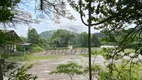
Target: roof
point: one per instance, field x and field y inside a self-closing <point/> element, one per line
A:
<point x="25" y="44"/>
<point x="10" y="36"/>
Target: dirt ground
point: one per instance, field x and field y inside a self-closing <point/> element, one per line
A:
<point x="43" y="67"/>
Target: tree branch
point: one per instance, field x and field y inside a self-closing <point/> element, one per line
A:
<point x="81" y="16"/>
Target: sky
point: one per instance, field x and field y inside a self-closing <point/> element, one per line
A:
<point x="48" y="24"/>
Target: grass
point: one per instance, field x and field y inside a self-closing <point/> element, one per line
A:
<point x="32" y="57"/>
<point x="95" y="52"/>
<point x="79" y="48"/>
<point x="129" y="51"/>
<point x="84" y="54"/>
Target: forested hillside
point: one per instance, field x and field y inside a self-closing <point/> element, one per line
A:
<point x="46" y="34"/>
<point x="63" y="38"/>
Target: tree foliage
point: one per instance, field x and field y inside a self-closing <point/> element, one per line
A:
<point x="56" y="7"/>
<point x="95" y="41"/>
<point x="83" y="39"/>
<point x="12" y="14"/>
<point x="33" y="36"/>
<point x="6" y="8"/>
<point x="61" y="38"/>
<point x="113" y="12"/>
<point x="70" y="69"/>
<point x="113" y="16"/>
<point x="20" y="73"/>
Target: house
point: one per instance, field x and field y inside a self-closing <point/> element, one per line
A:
<point x="8" y="41"/>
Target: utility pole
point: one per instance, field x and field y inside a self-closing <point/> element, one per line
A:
<point x="89" y="32"/>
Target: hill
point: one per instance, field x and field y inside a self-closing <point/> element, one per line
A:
<point x="46" y="34"/>
<point x="100" y="35"/>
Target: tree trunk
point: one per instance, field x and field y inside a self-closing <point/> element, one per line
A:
<point x="1" y="75"/>
<point x="71" y="77"/>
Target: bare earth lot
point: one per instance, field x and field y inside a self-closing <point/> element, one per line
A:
<point x="42" y="68"/>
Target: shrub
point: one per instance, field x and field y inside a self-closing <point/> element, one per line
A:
<point x="21" y="73"/>
<point x="36" y="49"/>
<point x="19" y="48"/>
<point x="94" y="52"/>
<point x="97" y="52"/>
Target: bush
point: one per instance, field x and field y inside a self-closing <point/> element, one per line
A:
<point x="94" y="52"/>
<point x="20" y="73"/>
<point x="97" y="52"/>
<point x="19" y="48"/>
<point x="36" y="49"/>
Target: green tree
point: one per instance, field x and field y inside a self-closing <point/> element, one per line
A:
<point x="75" y="40"/>
<point x="70" y="69"/>
<point x="111" y="15"/>
<point x="6" y="8"/>
<point x="83" y="39"/>
<point x="33" y="36"/>
<point x="61" y="38"/>
<point x="20" y="73"/>
<point x="24" y="39"/>
<point x="45" y="43"/>
<point x="11" y="14"/>
<point x="95" y="41"/>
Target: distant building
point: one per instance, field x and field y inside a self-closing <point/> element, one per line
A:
<point x="26" y="46"/>
<point x="108" y="46"/>
<point x="70" y="46"/>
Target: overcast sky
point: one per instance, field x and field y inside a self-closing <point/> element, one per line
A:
<point x="46" y="25"/>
